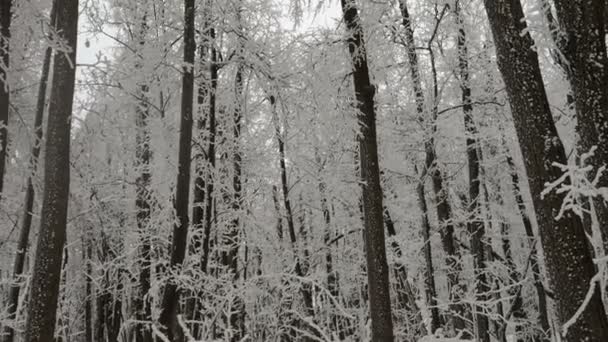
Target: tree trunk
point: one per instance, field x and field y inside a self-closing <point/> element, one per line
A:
<point x="299" y="271"/>
<point x="584" y="47"/>
<point x="40" y="324"/>
<point x="143" y="153"/>
<point x="543" y="314"/>
<point x="475" y="226"/>
<point x="5" y="32"/>
<point x="213" y="71"/>
<point x="26" y="223"/>
<point x="171" y="296"/>
<point x="569" y="263"/>
<point x="377" y="267"/>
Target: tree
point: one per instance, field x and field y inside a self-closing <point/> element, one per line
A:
<point x="40" y="324"/>
<point x="569" y="264"/>
<point x="377" y="267"/>
<point x="582" y="43"/>
<point x="5" y="32"/>
<point x="26" y="223"/>
<point x="475" y="227"/>
<point x="170" y="301"/>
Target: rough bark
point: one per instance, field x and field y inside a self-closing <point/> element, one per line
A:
<point x="171" y="296"/>
<point x="584" y="47"/>
<point x="569" y="263"/>
<point x="5" y="32"/>
<point x="377" y="267"/>
<point x="26" y="222"/>
<point x="40" y="323"/>
<point x="475" y="226"/>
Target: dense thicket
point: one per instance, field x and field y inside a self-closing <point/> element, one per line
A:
<point x="264" y="170"/>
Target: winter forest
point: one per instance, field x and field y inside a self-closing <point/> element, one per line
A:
<point x="303" y="170"/>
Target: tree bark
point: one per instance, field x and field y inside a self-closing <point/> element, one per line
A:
<point x="5" y="31"/>
<point x="569" y="263"/>
<point x="40" y="323"/>
<point x="26" y="223"/>
<point x="475" y="226"/>
<point x="377" y="267"/>
<point x="584" y="47"/>
<point x="170" y="301"/>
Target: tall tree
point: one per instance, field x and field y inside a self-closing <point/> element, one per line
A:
<point x="5" y="32"/>
<point x="582" y="41"/>
<point x="142" y="202"/>
<point x="170" y="301"/>
<point x="569" y="263"/>
<point x="26" y="222"/>
<point x="475" y="226"/>
<point x="40" y="323"/>
<point x="377" y="267"/>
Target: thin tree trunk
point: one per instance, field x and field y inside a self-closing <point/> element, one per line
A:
<point x="143" y="153"/>
<point x="87" y="251"/>
<point x="40" y="324"/>
<point x="569" y="263"/>
<point x="475" y="227"/>
<point x="299" y="271"/>
<point x="543" y="314"/>
<point x="377" y="267"/>
<point x="5" y="32"/>
<point x="171" y="296"/>
<point x="213" y="71"/>
<point x="26" y="223"/>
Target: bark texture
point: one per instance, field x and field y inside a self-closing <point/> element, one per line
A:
<point x="40" y="324"/>
<point x="377" y="267"/>
<point x="569" y="263"/>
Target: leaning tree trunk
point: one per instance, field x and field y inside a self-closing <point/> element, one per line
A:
<point x="5" y="32"/>
<point x="170" y="301"/>
<point x="40" y="324"/>
<point x="26" y="223"/>
<point x="475" y="226"/>
<point x="569" y="263"/>
<point x="377" y="267"/>
<point x="584" y="47"/>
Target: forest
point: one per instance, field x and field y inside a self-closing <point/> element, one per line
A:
<point x="303" y="170"/>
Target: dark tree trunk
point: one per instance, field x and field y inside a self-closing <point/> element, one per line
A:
<point x="5" y="31"/>
<point x="213" y="71"/>
<point x="377" y="267"/>
<point x="584" y="47"/>
<point x="569" y="263"/>
<point x="40" y="324"/>
<point x="171" y="296"/>
<point x="475" y="226"/>
<point x="87" y="252"/>
<point x="26" y="223"/>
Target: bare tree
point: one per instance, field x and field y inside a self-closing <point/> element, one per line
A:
<point x="377" y="267"/>
<point x="569" y="263"/>
<point x="40" y="324"/>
